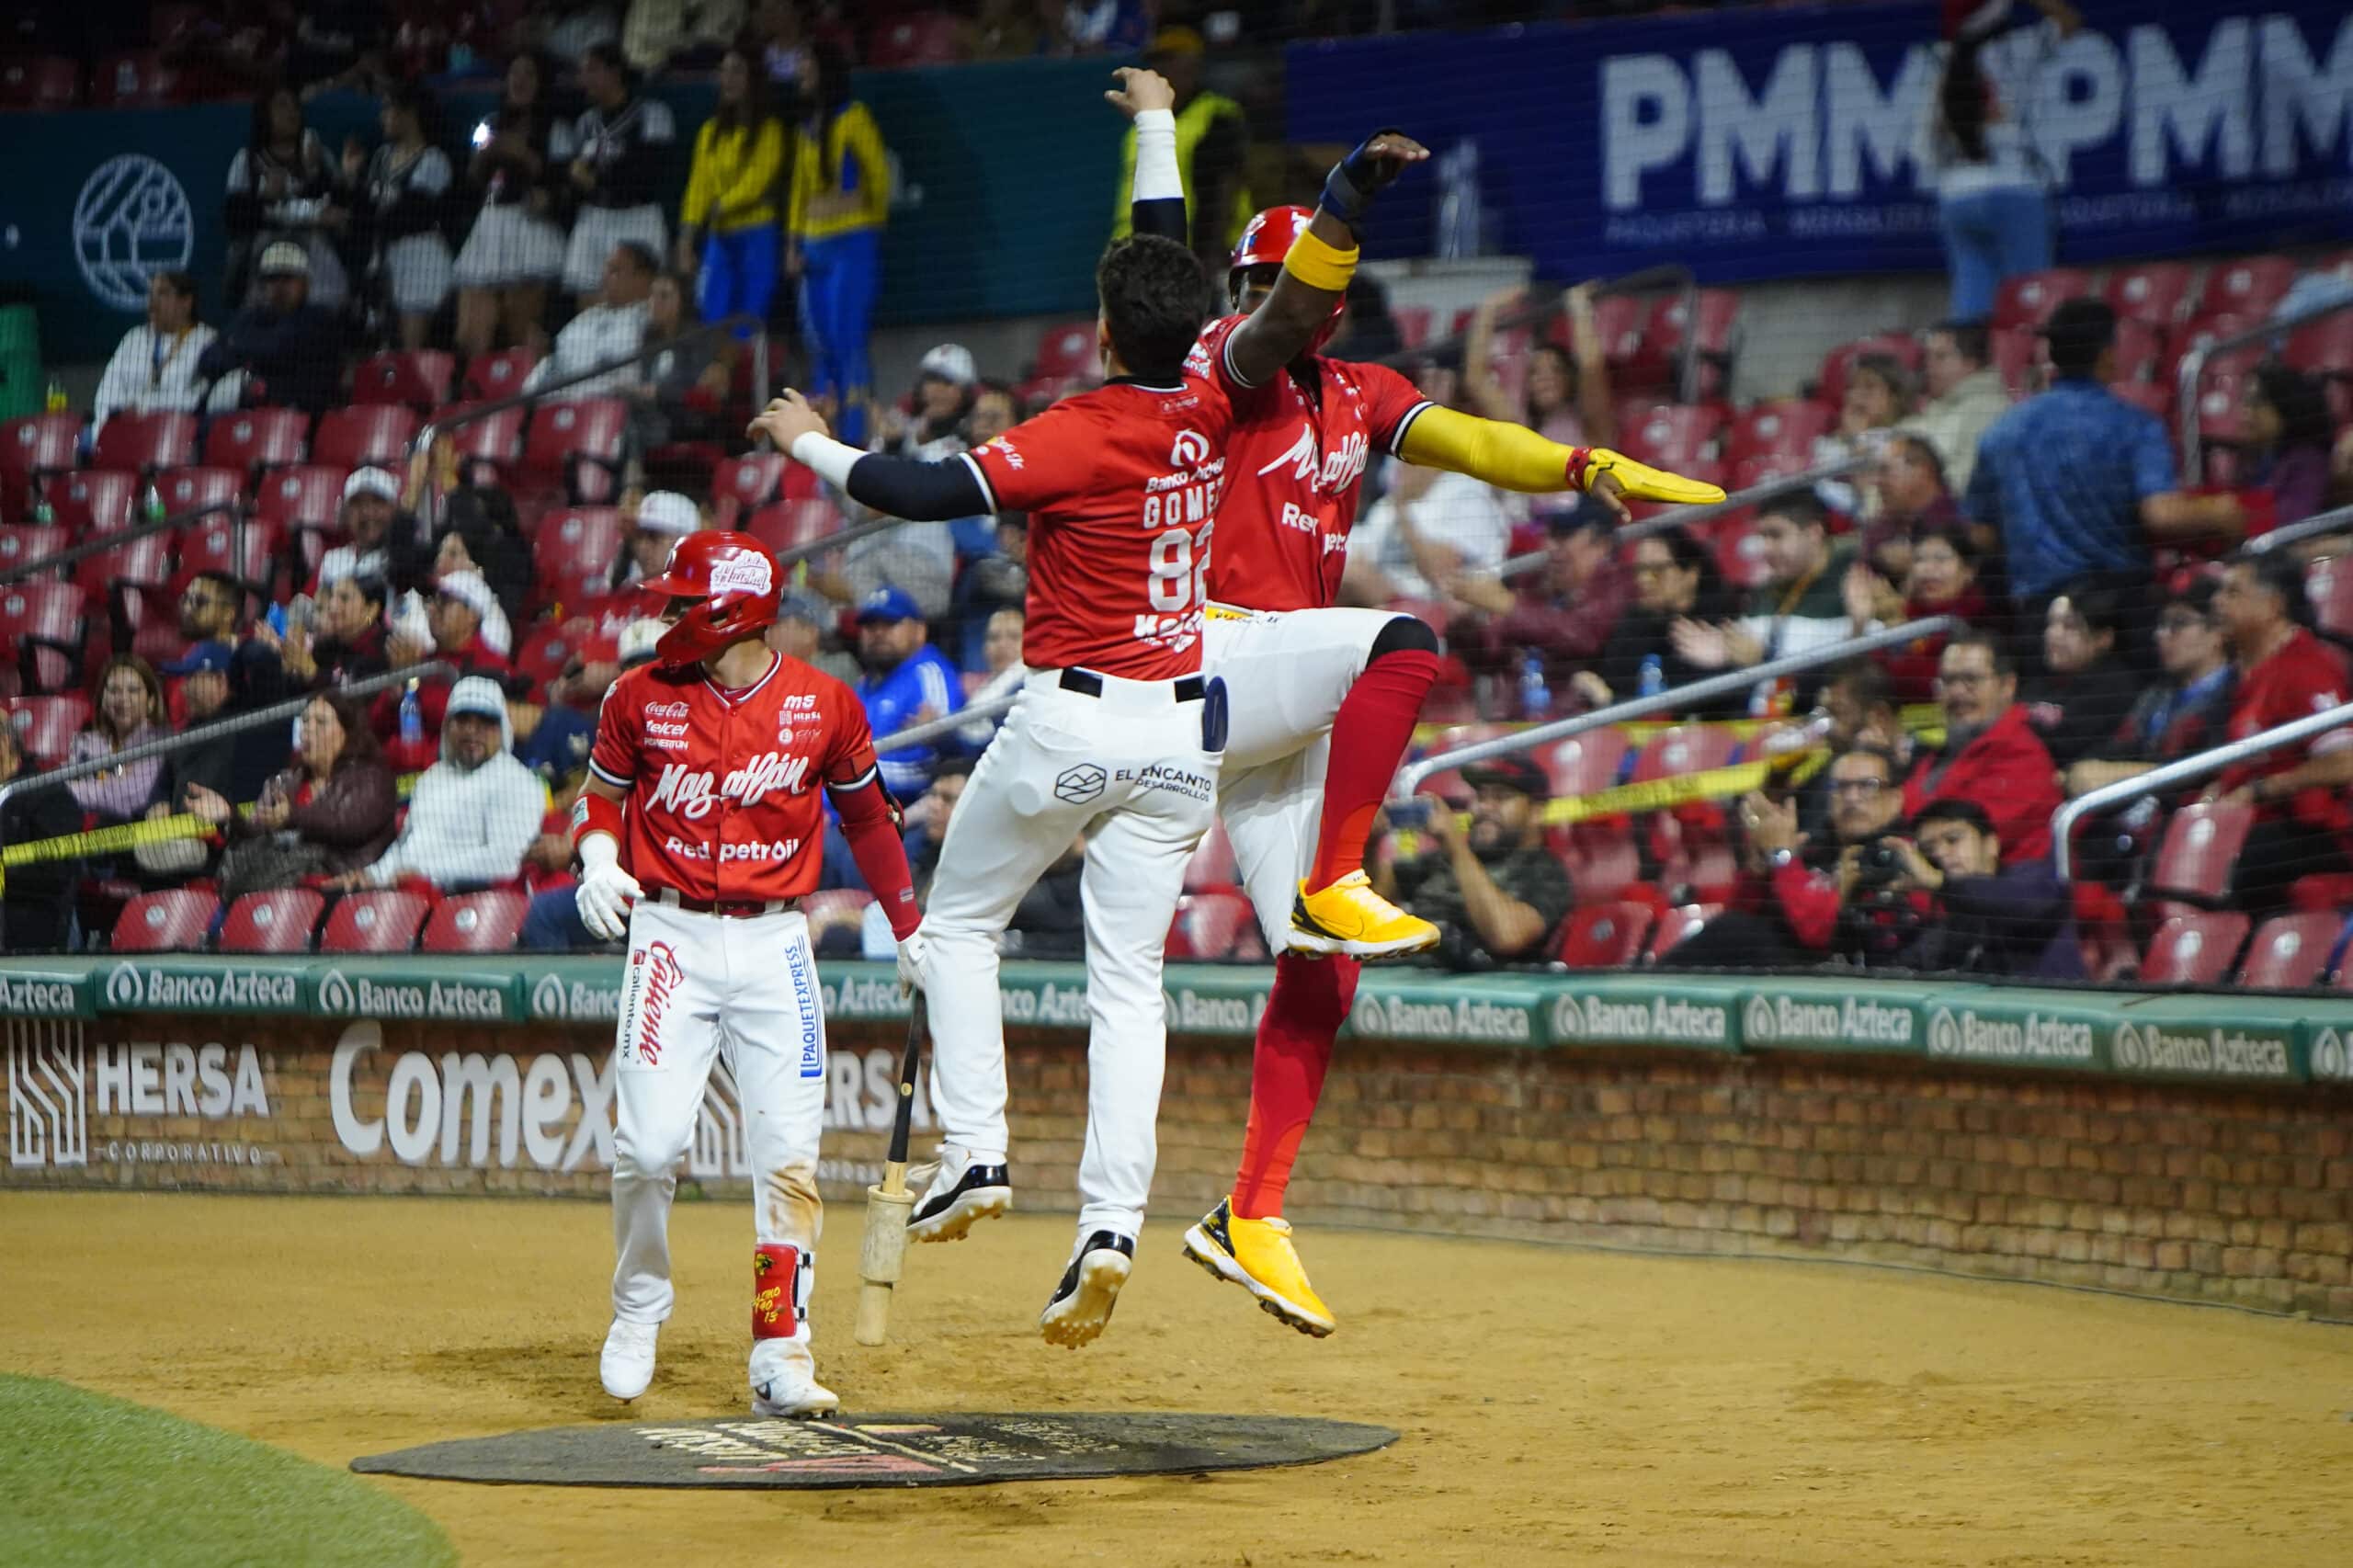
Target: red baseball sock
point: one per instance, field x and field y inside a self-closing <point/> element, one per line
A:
<point x="1304" y="1012"/>
<point x="1369" y="739"/>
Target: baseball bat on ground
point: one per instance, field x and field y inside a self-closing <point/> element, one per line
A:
<point x="887" y="1206"/>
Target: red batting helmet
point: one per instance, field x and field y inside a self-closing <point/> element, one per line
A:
<point x="1265" y="243"/>
<point x="733" y="576"/>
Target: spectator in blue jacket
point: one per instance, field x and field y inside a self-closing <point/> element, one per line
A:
<point x="907" y="681"/>
<point x="292" y="349"/>
<point x="2017" y="919"/>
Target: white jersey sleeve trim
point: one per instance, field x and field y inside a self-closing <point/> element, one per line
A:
<point x="608" y="776"/>
<point x="988" y="491"/>
<point x="1397" y="441"/>
<point x="852" y="785"/>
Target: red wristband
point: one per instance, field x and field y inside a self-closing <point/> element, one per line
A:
<point x="1580" y="461"/>
<point x="594" y="813"/>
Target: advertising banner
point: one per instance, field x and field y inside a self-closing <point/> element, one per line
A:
<point x="1765" y="142"/>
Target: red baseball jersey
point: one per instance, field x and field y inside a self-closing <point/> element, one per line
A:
<point x="1121" y="485"/>
<point x="1293" y="468"/>
<point x="2302" y="677"/>
<point x="724" y="787"/>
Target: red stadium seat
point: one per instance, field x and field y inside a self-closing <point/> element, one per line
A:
<point x="365" y="435"/>
<point x="2194" y="862"/>
<point x="1413" y="323"/>
<point x="1740" y="553"/>
<point x="49" y="82"/>
<point x="573" y="553"/>
<point x="926" y="38"/>
<point x="1602" y="857"/>
<point x="185" y="489"/>
<point x="550" y="646"/>
<point x="142" y="562"/>
<point x="494" y="439"/>
<point x="2291" y="952"/>
<point x="1067" y="352"/>
<point x="21" y="544"/>
<point x="1604" y="936"/>
<point x="789" y="525"/>
<point x="2194" y="949"/>
<point x="1840" y="362"/>
<point x="576" y="446"/>
<point x="385" y="922"/>
<point x="1677" y="925"/>
<point x="2222" y="407"/>
<point x="33" y="447"/>
<point x="2329" y="586"/>
<point x="255" y="438"/>
<point x="1719" y="310"/>
<point x="476" y="923"/>
<point x="1212" y="868"/>
<point x="490" y="376"/>
<point x="95" y="501"/>
<point x="170" y="922"/>
<point x="2153" y="397"/>
<point x="1786" y="426"/>
<point x="135" y="79"/>
<point x="1622" y="323"/>
<point x="2251" y="286"/>
<point x="744" y="484"/>
<point x="2152" y="291"/>
<point x="276" y="922"/>
<point x="46" y="726"/>
<point x="1215" y="926"/>
<point x="2028" y="298"/>
<point x="1672" y="753"/>
<point x="1676" y="436"/>
<point x="2324" y="347"/>
<point x="2019" y="357"/>
<point x="42" y="621"/>
<point x="2142" y="353"/>
<point x="308" y="497"/>
<point x="246" y="549"/>
<point x="419" y="378"/>
<point x="1583" y="764"/>
<point x="145" y="442"/>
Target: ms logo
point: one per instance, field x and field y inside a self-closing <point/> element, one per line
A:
<point x="131" y="222"/>
<point x="1191" y="450"/>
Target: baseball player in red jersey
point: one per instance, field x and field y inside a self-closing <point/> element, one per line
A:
<point x="700" y="830"/>
<point x="1116" y="735"/>
<point x="1333" y="692"/>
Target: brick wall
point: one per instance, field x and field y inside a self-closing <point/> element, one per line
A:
<point x="2243" y="1196"/>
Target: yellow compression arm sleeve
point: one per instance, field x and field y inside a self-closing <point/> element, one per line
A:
<point x="1512" y="456"/>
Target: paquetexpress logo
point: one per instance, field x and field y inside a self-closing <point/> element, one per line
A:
<point x="130" y="221"/>
<point x="48" y="1107"/>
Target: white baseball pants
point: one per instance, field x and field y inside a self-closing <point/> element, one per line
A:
<point x="1127" y="768"/>
<point x="697" y="986"/>
<point x="1289" y="671"/>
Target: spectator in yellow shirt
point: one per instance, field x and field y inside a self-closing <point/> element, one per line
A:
<point x="727" y="225"/>
<point x="841" y="198"/>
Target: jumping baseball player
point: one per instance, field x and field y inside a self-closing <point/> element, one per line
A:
<point x="698" y="832"/>
<point x="1116" y="731"/>
<point x="1334" y="693"/>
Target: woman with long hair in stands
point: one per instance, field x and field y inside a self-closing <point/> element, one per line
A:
<point x="2287" y="417"/>
<point x="129" y="713"/>
<point x="727" y="222"/>
<point x="333" y="811"/>
<point x="515" y="249"/>
<point x="283" y="185"/>
<point x="840" y="199"/>
<point x="1991" y="197"/>
<point x="403" y="196"/>
<point x="1566" y="397"/>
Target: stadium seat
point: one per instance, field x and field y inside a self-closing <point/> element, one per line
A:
<point x="173" y="921"/>
<point x="1413" y="323"/>
<point x="2222" y="407"/>
<point x="146" y="443"/>
<point x="550" y="646"/>
<point x="1602" y="858"/>
<point x="2193" y="864"/>
<point x="185" y="489"/>
<point x="490" y="376"/>
<point x="2203" y="332"/>
<point x="47" y="82"/>
<point x="2018" y="357"/>
<point x="2328" y="584"/>
<point x="33" y="447"/>
<point x="475" y="923"/>
<point x="1674" y="752"/>
<point x="21" y="544"/>
<point x="246" y="549"/>
<point x="1839" y="361"/>
<point x="2152" y="397"/>
<point x="1067" y="352"/>
<point x="135" y="78"/>
<point x="2194" y="949"/>
<point x="1719" y="310"/>
<point x="1604" y="936"/>
<point x="744" y="484"/>
<point x="1583" y="764"/>
<point x="2142" y="353"/>
<point x="1620" y="322"/>
<point x="2156" y="292"/>
<point x="1786" y="426"/>
<point x="573" y="553"/>
<point x="380" y="921"/>
<point x="789" y="525"/>
<point x="94" y="501"/>
<point x="1677" y="925"/>
<point x="417" y="378"/>
<point x="925" y="37"/>
<point x="2324" y="347"/>
<point x="491" y="437"/>
<point x="2251" y="286"/>
<point x="255" y="438"/>
<point x="364" y="435"/>
<point x="143" y="563"/>
<point x="43" y="623"/>
<point x="1213" y="927"/>
<point x="310" y="495"/>
<point x="2291" y="952"/>
<point x="1739" y="555"/>
<point x="1675" y="436"/>
<point x="575" y="446"/>
<point x="46" y="726"/>
<point x="1700" y="871"/>
<point x="2028" y="298"/>
<point x="275" y="922"/>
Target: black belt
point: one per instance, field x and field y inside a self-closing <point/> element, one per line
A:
<point x="727" y="908"/>
<point x="1087" y="683"/>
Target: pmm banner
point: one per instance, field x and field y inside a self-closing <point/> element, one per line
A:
<point x="1767" y="140"/>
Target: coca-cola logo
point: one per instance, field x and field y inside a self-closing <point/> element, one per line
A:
<point x="666" y="709"/>
<point x="663" y="974"/>
<point x="691" y="791"/>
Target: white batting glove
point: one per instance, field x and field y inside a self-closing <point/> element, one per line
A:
<point x="911" y="952"/>
<point x="606" y="890"/>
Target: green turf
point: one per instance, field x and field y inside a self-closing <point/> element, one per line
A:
<point x="86" y="1479"/>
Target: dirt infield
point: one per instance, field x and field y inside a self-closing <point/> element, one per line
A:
<point x="1556" y="1405"/>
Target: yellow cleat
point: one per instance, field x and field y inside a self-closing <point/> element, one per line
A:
<point x="1349" y="918"/>
<point x="1257" y="1256"/>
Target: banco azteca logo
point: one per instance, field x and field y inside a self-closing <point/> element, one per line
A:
<point x="335" y="993"/>
<point x="126" y="988"/>
<point x="1944" y="1034"/>
<point x="548" y="1000"/>
<point x="1568" y="1019"/>
<point x="1757" y="1027"/>
<point x="1192" y="450"/>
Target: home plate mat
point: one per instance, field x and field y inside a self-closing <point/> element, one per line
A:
<point x="882" y="1451"/>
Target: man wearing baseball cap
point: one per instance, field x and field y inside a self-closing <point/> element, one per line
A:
<point x="1494" y="891"/>
<point x="907" y="681"/>
<point x="292" y="349"/>
<point x="802" y="622"/>
<point x="474" y="811"/>
<point x="371" y="498"/>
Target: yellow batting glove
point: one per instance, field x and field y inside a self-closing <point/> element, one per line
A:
<point x="1640" y="481"/>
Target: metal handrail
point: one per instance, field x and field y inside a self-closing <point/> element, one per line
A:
<point x="2311" y="528"/>
<point x="429" y="505"/>
<point x="2064" y="819"/>
<point x="1689" y="515"/>
<point x="98" y="544"/>
<point x="276" y="712"/>
<point x="2192" y="370"/>
<point x="1410" y="779"/>
<point x="932" y="729"/>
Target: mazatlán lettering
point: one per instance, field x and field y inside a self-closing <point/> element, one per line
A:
<point x="690" y="791"/>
